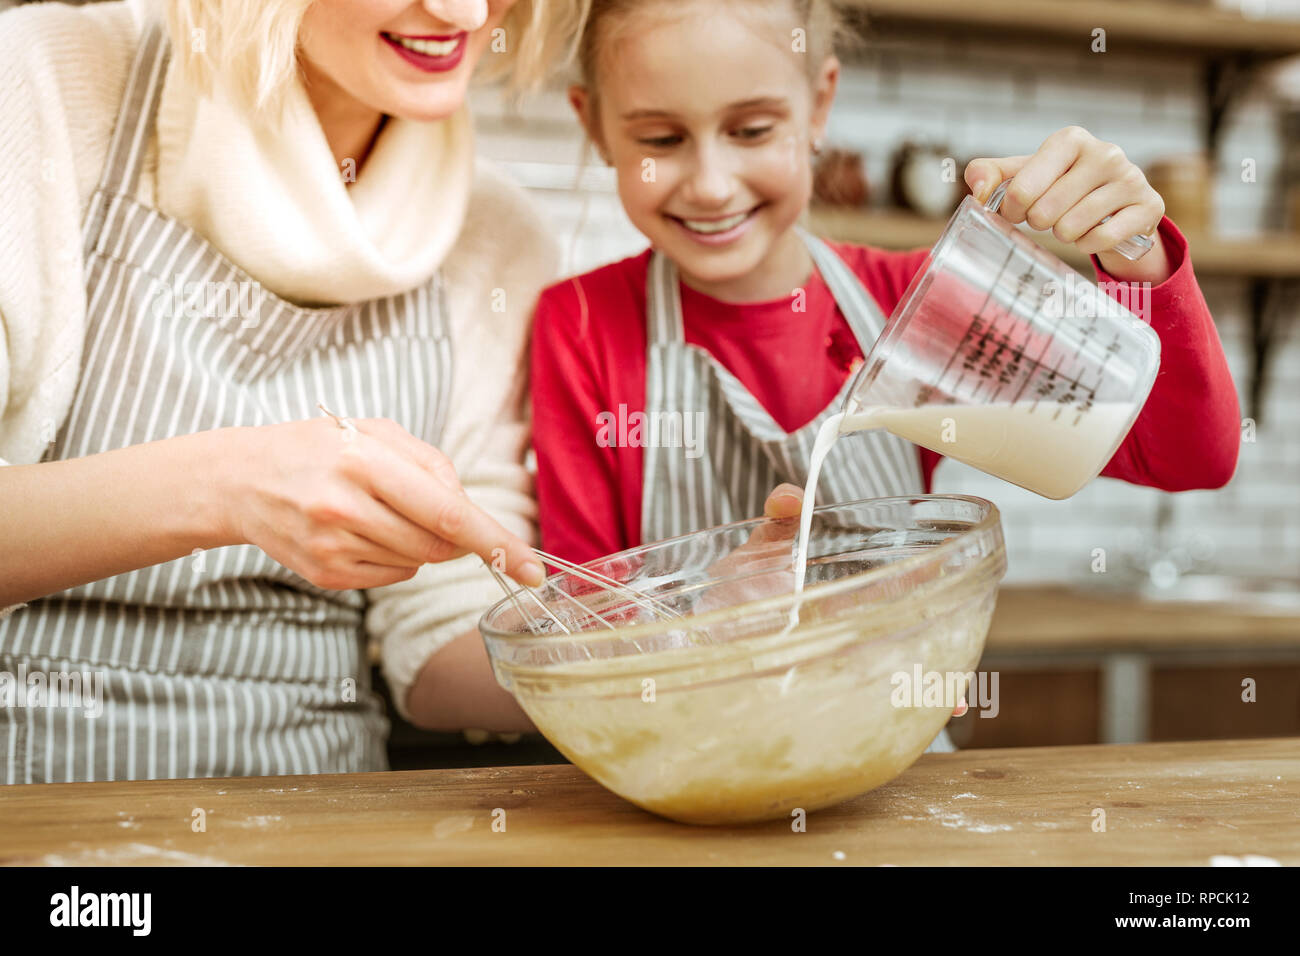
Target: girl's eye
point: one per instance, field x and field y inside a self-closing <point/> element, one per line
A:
<point x="753" y="132"/>
<point x="660" y="142"/>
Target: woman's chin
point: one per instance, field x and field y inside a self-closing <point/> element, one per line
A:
<point x="428" y="103"/>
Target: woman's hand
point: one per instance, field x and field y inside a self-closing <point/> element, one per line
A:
<point x="359" y="509"/>
<point x="1069" y="186"/>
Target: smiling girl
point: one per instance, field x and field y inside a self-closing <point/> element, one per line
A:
<point x="710" y="115"/>
<point x="710" y="120"/>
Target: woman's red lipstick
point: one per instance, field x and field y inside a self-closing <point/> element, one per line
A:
<point x="427" y="60"/>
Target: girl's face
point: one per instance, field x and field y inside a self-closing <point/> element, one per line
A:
<point x="411" y="60"/>
<point x="708" y="119"/>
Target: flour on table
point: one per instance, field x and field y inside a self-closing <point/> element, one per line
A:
<point x="1250" y="859"/>
<point x="257" y="822"/>
<point x="129" y="853"/>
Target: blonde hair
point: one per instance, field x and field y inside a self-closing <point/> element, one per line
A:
<point x="251" y="46"/>
<point x="823" y="26"/>
<point x="550" y="30"/>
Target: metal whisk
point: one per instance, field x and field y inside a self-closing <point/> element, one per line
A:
<point x="608" y="584"/>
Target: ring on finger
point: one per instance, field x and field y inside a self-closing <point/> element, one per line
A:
<point x="343" y="423"/>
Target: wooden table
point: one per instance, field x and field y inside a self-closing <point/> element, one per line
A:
<point x="1169" y="804"/>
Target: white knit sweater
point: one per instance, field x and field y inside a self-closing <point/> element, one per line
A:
<point x="274" y="202"/>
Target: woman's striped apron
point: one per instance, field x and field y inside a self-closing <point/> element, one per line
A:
<point x="224" y="663"/>
<point x="740" y="454"/>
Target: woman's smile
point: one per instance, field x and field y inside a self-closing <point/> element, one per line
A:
<point x="433" y="54"/>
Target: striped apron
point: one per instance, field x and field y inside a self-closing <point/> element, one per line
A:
<point x="740" y="453"/>
<point x="223" y="663"/>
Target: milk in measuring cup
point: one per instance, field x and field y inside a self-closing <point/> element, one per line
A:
<point x="1052" y="447"/>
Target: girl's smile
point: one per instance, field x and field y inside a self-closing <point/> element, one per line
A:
<point x="717" y="230"/>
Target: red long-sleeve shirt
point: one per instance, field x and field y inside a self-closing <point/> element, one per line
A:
<point x="589" y="357"/>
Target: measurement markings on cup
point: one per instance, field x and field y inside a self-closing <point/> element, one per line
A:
<point x="977" y="321"/>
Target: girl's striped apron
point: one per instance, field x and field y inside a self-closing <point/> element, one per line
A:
<point x="223" y="663"/>
<point x="726" y="453"/>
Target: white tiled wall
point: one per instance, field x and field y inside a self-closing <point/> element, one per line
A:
<point x="1001" y="99"/>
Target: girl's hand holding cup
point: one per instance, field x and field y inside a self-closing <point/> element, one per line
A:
<point x="1072" y="183"/>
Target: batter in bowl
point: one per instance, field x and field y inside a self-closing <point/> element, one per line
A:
<point x="735" y="733"/>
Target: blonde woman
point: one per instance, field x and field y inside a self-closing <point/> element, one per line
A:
<point x="216" y="216"/>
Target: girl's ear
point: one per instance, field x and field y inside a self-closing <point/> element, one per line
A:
<point x="583" y="105"/>
<point x="828" y="80"/>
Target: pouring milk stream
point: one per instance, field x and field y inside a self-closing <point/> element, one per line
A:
<point x="1000" y="356"/>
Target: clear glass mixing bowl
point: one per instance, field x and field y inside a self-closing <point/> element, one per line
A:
<point x="710" y="708"/>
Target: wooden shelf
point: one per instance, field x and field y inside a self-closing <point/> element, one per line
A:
<point x="1051" y="620"/>
<point x="1271" y="256"/>
<point x="1128" y="23"/>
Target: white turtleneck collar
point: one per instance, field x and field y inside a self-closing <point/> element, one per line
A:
<point x="272" y="200"/>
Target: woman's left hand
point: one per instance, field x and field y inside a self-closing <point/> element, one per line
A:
<point x="1069" y="186"/>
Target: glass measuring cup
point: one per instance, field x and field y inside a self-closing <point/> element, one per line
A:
<point x="1003" y="357"/>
